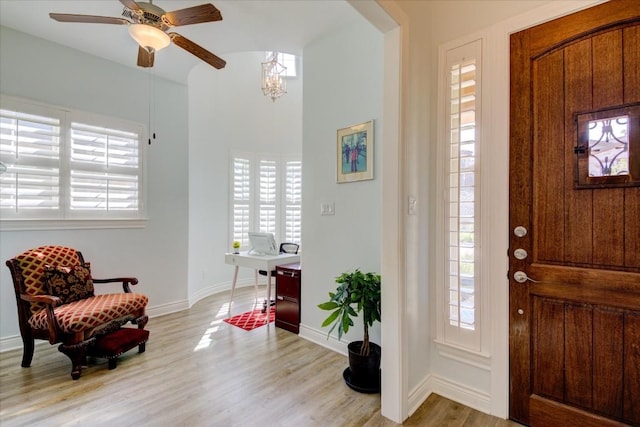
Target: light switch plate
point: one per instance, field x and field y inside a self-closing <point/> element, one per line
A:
<point x="327" y="209"/>
<point x="412" y="206"/>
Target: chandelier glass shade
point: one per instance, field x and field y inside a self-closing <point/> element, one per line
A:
<point x="149" y="37"/>
<point x="274" y="78"/>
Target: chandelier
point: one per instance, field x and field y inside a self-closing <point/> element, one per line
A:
<point x="274" y="74"/>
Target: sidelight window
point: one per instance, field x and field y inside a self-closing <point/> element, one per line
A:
<point x="459" y="277"/>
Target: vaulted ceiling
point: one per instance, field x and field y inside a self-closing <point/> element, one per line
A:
<point x="247" y="25"/>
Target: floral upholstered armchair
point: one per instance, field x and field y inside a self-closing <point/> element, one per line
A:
<point x="56" y="302"/>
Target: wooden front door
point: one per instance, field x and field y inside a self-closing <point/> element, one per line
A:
<point x="574" y="245"/>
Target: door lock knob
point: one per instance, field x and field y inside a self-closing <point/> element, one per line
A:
<point x="520" y="276"/>
<point x="520" y="231"/>
<point x="520" y="254"/>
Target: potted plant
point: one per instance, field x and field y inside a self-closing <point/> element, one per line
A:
<point x="357" y="292"/>
<point x="236" y="246"/>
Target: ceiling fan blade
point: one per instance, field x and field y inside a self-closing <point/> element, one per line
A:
<point x="130" y="4"/>
<point x="145" y="58"/>
<point x="193" y="15"/>
<point x="198" y="51"/>
<point x="65" y="17"/>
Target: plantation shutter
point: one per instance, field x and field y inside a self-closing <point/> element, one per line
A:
<point x="462" y="194"/>
<point x="66" y="165"/>
<point x="293" y="201"/>
<point x="462" y="287"/>
<point x="30" y="149"/>
<point x="267" y="196"/>
<point x="241" y="200"/>
<point x="103" y="169"/>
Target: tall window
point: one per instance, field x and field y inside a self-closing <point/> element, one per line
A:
<point x="266" y="197"/>
<point x="67" y="164"/>
<point x="461" y="179"/>
<point x="285" y="59"/>
<point x="293" y="201"/>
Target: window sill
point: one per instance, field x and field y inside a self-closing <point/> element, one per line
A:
<point x="69" y="224"/>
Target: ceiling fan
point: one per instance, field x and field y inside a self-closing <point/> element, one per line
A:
<point x="148" y="26"/>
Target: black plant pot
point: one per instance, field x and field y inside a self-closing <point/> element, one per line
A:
<point x="363" y="373"/>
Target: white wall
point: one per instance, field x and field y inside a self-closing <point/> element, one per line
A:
<point x="227" y="110"/>
<point x="157" y="254"/>
<point x="342" y="87"/>
<point x="335" y="96"/>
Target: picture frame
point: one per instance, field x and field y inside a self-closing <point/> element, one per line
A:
<point x="355" y="153"/>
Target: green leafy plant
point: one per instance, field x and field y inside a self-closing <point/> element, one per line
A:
<point x="356" y="292"/>
<point x="236" y="245"/>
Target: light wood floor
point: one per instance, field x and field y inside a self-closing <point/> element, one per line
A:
<point x="200" y="371"/>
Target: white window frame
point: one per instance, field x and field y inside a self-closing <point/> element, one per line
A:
<point x="288" y="60"/>
<point x="295" y="234"/>
<point x="280" y="202"/>
<point x="62" y="216"/>
<point x="452" y="340"/>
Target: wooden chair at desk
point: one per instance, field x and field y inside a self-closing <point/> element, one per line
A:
<point x="285" y="248"/>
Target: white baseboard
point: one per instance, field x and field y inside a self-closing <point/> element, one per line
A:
<point x="11" y="343"/>
<point x="320" y="337"/>
<point x="419" y="394"/>
<point x="161" y="310"/>
<point x="15" y="341"/>
<point x="473" y="398"/>
<point x="218" y="288"/>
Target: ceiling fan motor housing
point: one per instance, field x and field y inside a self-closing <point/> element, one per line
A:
<point x="148" y="14"/>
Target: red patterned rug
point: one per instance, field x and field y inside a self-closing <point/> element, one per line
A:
<point x="251" y="319"/>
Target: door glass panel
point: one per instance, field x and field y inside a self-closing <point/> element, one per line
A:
<point x="609" y="146"/>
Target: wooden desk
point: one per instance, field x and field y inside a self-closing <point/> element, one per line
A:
<point x="257" y="262"/>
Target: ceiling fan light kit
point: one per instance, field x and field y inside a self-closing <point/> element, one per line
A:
<point x="151" y="38"/>
<point x="148" y="26"/>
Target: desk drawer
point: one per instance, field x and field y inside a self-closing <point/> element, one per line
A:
<point x="288" y="314"/>
<point x="288" y="281"/>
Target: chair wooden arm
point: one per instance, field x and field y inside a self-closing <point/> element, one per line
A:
<point x="47" y="299"/>
<point x="126" y="281"/>
<point x="50" y="302"/>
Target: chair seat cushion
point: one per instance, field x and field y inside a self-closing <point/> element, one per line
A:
<point x="89" y="313"/>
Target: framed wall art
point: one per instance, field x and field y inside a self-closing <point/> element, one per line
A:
<point x="355" y="152"/>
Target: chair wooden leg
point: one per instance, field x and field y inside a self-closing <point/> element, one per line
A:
<point x="141" y="321"/>
<point x="142" y="347"/>
<point x="27" y="353"/>
<point x="77" y="354"/>
<point x="113" y="362"/>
